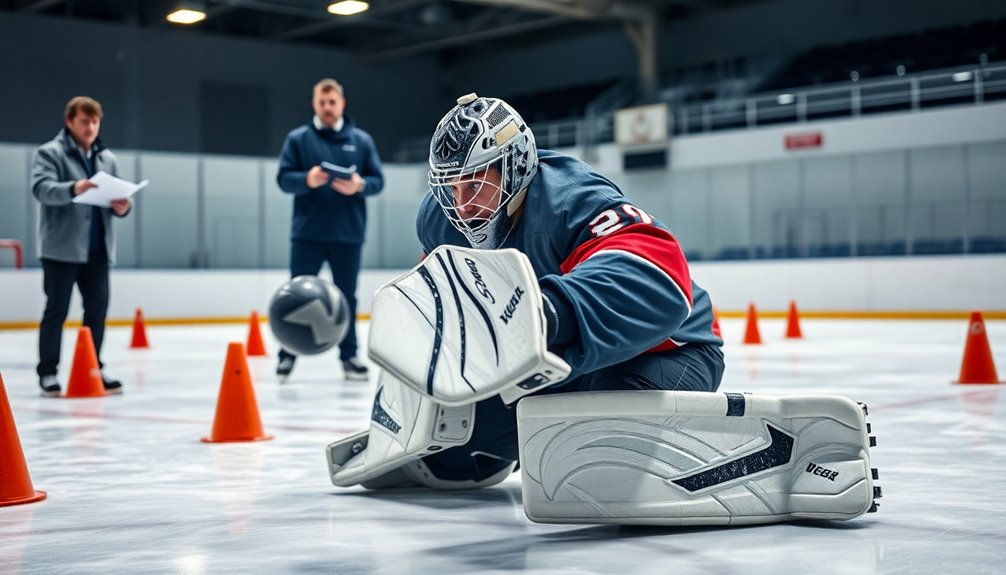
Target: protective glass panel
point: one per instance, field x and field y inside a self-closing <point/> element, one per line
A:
<point x="169" y="211"/>
<point x="937" y="200"/>
<point x="232" y="189"/>
<point x="776" y="229"/>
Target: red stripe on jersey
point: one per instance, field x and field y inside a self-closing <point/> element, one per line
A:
<point x="666" y="345"/>
<point x="655" y="245"/>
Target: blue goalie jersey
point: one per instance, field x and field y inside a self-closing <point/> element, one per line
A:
<point x="622" y="272"/>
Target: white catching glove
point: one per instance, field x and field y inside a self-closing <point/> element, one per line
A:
<point x="404" y="426"/>
<point x="465" y="325"/>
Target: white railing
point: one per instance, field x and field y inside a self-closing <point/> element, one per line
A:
<point x="964" y="85"/>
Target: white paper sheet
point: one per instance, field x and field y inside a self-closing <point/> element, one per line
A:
<point x="109" y="188"/>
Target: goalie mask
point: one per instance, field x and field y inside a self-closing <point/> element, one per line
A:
<point x="482" y="159"/>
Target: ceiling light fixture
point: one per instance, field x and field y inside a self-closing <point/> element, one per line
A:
<point x="348" y="7"/>
<point x="187" y="14"/>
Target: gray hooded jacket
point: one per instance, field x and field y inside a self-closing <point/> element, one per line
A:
<point x="64" y="226"/>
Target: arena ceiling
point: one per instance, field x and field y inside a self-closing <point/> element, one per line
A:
<point x="390" y="28"/>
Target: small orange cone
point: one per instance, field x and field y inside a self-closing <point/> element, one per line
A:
<point x="977" y="365"/>
<point x="85" y="375"/>
<point x="139" y="340"/>
<point x="15" y="483"/>
<point x="256" y="347"/>
<point x="751" y="333"/>
<point x="237" y="417"/>
<point x="793" y="323"/>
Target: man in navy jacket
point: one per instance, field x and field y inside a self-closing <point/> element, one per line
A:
<point x="330" y="166"/>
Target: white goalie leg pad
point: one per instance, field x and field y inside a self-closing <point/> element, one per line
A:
<point x="465" y="325"/>
<point x="404" y="426"/>
<point x="691" y="458"/>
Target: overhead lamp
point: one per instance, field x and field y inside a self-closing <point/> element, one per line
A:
<point x="962" y="77"/>
<point x="348" y="7"/>
<point x="188" y="13"/>
<point x="785" y="99"/>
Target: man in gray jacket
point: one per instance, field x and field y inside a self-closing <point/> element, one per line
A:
<point x="76" y="241"/>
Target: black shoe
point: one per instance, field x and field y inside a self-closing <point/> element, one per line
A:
<point x="284" y="368"/>
<point x="112" y="386"/>
<point x="50" y="386"/>
<point x="352" y="369"/>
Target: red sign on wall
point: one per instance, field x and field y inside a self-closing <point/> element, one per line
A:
<point x="807" y="140"/>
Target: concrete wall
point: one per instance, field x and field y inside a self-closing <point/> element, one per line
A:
<point x="154" y="83"/>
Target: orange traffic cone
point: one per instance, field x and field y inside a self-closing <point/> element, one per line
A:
<point x="237" y="417"/>
<point x="751" y="333"/>
<point x="793" y="323"/>
<point x="256" y="347"/>
<point x="977" y="365"/>
<point x="15" y="483"/>
<point x="85" y="375"/>
<point x="139" y="340"/>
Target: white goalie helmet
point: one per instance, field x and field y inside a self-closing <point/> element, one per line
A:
<point x="482" y="160"/>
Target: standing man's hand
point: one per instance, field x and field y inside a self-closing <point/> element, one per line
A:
<point x="120" y="207"/>
<point x="349" y="187"/>
<point x="316" y="177"/>
<point x="82" y="186"/>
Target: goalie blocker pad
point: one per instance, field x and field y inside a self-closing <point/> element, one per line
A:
<point x="690" y="458"/>
<point x="404" y="426"/>
<point x="465" y="325"/>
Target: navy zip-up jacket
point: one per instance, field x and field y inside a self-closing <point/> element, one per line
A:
<point x="323" y="214"/>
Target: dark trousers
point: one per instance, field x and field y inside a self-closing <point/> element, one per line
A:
<point x="695" y="367"/>
<point x="57" y="281"/>
<point x="306" y="258"/>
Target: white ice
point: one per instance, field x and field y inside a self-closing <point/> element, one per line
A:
<point x="133" y="490"/>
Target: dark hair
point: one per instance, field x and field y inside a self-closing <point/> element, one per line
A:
<point x="82" y="105"/>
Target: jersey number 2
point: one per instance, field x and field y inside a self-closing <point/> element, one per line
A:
<point x="610" y="221"/>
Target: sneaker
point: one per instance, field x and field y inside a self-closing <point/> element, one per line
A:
<point x="284" y="368"/>
<point x="112" y="386"/>
<point x="50" y="386"/>
<point x="353" y="369"/>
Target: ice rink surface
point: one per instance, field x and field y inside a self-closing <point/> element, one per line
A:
<point x="133" y="490"/>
